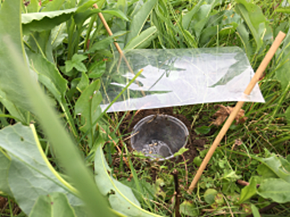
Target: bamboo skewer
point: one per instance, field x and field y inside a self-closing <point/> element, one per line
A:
<point x="237" y="108"/>
<point x="116" y="43"/>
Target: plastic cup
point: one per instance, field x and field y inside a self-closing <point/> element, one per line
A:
<point x="159" y="136"/>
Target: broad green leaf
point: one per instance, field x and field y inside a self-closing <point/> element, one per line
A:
<point x="197" y="161"/>
<point x="54" y="5"/>
<point x="30" y="170"/>
<point x="4" y="168"/>
<point x="48" y="75"/>
<point x="202" y="130"/>
<point x="147" y="190"/>
<point x="265" y="172"/>
<point x="275" y="166"/>
<point x="143" y="40"/>
<point x="209" y="195"/>
<point x="97" y="69"/>
<point x="81" y="16"/>
<point x="40" y="42"/>
<point x="9" y="80"/>
<point x="256" y="21"/>
<point x="186" y="19"/>
<point x="201" y="18"/>
<point x="33" y="6"/>
<point x="140" y="18"/>
<point x="61" y="142"/>
<point x="103" y="44"/>
<point x="276" y="189"/>
<point x="243" y="33"/>
<point x="120" y="196"/>
<point x="76" y="62"/>
<point x="116" y="13"/>
<point x="249" y="191"/>
<point x="84" y="82"/>
<point x="255" y="211"/>
<point x="58" y="34"/>
<point x="16" y="112"/>
<point x="88" y="106"/>
<point x="282" y="73"/>
<point x="45" y="20"/>
<point x="188" y="208"/>
<point x="52" y="205"/>
<point x="180" y="151"/>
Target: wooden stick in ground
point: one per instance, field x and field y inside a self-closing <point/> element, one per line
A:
<point x="116" y="43"/>
<point x="237" y="108"/>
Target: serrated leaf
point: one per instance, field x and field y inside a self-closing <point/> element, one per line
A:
<point x="45" y="20"/>
<point x="140" y="18"/>
<point x="143" y="40"/>
<point x="52" y="205"/>
<point x="249" y="191"/>
<point x="120" y="196"/>
<point x="276" y="189"/>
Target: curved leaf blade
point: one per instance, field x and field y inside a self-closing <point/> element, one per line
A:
<point x="29" y="171"/>
<point x="142" y="40"/>
<point x="140" y="18"/>
<point x="45" y="20"/>
<point x="121" y="197"/>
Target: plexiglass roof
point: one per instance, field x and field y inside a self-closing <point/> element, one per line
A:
<point x="177" y="77"/>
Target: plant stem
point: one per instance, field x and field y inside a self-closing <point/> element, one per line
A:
<point x="176" y="193"/>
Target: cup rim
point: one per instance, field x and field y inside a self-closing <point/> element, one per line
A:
<point x="174" y="119"/>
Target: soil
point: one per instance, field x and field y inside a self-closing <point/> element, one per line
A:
<point x="194" y="142"/>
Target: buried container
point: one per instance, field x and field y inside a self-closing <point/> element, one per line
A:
<point x="159" y="136"/>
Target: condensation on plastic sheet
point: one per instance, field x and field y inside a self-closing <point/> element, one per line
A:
<point x="177" y="77"/>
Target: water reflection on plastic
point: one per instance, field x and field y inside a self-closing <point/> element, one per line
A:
<point x="177" y="77"/>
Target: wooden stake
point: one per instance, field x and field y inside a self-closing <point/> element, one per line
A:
<point x="237" y="108"/>
<point x="116" y="44"/>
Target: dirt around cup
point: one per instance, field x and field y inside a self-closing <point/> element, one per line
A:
<point x="159" y="136"/>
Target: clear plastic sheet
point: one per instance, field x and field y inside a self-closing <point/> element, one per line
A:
<point x="176" y="77"/>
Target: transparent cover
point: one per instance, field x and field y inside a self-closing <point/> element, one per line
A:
<point x="176" y="77"/>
